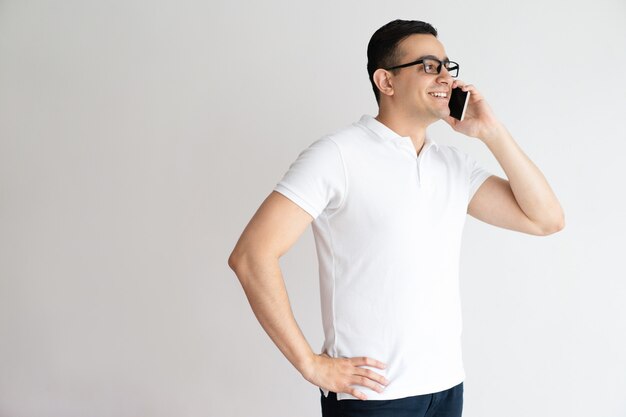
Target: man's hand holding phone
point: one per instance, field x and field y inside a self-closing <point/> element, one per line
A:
<point x="478" y="120"/>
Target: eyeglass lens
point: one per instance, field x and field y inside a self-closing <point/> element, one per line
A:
<point x="431" y="66"/>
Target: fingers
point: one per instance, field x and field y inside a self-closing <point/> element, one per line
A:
<point x="366" y="377"/>
<point x="475" y="94"/>
<point x="347" y="374"/>
<point x="364" y="361"/>
<point x="461" y="84"/>
<point x="367" y="373"/>
<point x="363" y="381"/>
<point x="358" y="394"/>
<point x="371" y="380"/>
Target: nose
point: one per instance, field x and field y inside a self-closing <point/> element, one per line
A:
<point x="444" y="76"/>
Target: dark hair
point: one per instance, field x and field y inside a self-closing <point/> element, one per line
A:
<point x="382" y="50"/>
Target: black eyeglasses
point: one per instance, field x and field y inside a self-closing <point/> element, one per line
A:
<point x="432" y="66"/>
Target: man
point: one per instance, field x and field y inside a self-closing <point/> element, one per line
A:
<point x="387" y="206"/>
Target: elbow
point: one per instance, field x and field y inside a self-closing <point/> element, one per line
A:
<point x="245" y="260"/>
<point x="235" y="261"/>
<point x="232" y="261"/>
<point x="237" y="257"/>
<point x="553" y="227"/>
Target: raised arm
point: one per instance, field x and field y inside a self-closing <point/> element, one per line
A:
<point x="275" y="227"/>
<point x="525" y="202"/>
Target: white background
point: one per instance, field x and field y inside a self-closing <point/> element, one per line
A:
<point x="137" y="138"/>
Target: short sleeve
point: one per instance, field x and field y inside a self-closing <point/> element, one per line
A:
<point x="477" y="175"/>
<point x="316" y="180"/>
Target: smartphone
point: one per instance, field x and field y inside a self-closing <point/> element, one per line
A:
<point x="458" y="103"/>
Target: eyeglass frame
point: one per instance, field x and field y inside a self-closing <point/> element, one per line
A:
<point x="432" y="58"/>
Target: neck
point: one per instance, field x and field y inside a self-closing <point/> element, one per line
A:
<point x="404" y="125"/>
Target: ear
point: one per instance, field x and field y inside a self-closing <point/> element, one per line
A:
<point x="383" y="80"/>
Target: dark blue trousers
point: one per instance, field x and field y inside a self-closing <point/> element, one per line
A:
<point x="448" y="403"/>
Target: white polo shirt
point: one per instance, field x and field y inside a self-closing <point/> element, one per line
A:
<point x="387" y="227"/>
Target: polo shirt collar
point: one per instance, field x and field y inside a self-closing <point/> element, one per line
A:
<point x="384" y="132"/>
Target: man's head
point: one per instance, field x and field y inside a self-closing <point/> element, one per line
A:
<point x="409" y="89"/>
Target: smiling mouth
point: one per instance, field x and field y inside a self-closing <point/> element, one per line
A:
<point x="439" y="95"/>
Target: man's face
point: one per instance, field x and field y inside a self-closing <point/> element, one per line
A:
<point x="414" y="88"/>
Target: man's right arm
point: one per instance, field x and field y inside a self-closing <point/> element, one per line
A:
<point x="272" y="231"/>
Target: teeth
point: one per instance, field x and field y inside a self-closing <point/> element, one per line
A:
<point x="439" y="94"/>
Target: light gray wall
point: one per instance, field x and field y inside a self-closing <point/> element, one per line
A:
<point x="137" y="138"/>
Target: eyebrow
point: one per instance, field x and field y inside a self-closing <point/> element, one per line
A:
<point x="445" y="58"/>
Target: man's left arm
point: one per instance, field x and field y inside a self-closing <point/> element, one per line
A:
<point x="525" y="202"/>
